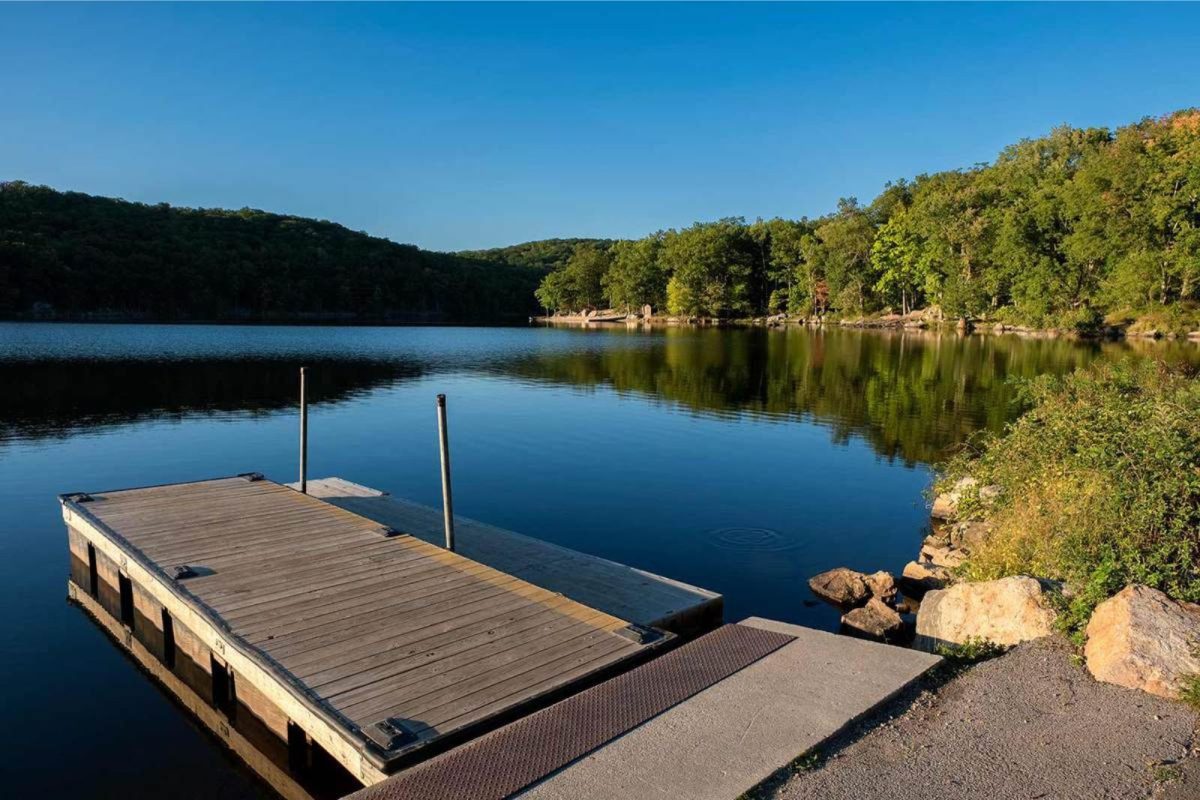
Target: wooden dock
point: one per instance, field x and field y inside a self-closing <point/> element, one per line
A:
<point x="642" y="597"/>
<point x="338" y="633"/>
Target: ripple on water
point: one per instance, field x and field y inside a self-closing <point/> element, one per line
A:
<point x="752" y="540"/>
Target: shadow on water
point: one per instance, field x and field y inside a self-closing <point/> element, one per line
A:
<point x="299" y="773"/>
<point x="60" y="397"/>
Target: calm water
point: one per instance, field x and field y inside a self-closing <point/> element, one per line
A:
<point x="743" y="461"/>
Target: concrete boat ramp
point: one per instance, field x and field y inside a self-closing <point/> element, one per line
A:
<point x="327" y="628"/>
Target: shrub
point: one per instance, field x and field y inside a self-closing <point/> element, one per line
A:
<point x="1101" y="485"/>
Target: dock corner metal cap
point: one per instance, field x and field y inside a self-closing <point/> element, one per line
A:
<point x="389" y="733"/>
<point x="639" y="633"/>
<point x="79" y="497"/>
<point x="251" y="476"/>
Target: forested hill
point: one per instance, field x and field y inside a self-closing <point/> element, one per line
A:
<point x="545" y="254"/>
<point x="1076" y="229"/>
<point x="70" y="255"/>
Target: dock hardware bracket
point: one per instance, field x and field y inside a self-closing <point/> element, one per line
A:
<point x="251" y="476"/>
<point x="389" y="733"/>
<point x="80" y="497"/>
<point x="181" y="571"/>
<point x="639" y="633"/>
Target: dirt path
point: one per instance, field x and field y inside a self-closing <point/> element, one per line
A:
<point x="1030" y="724"/>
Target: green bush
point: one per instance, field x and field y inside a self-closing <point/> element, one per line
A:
<point x="1101" y="485"/>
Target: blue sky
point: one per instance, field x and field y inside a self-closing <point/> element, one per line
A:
<point x="459" y="126"/>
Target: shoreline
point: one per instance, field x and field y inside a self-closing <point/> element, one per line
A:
<point x="889" y="322"/>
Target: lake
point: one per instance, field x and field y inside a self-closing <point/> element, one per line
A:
<point x="743" y="461"/>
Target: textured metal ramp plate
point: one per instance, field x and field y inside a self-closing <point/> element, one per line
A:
<point x="511" y="758"/>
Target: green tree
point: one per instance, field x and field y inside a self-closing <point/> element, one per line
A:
<point x="636" y="277"/>
<point x="578" y="285"/>
<point x="845" y="255"/>
<point x="897" y="258"/>
<point x="711" y="267"/>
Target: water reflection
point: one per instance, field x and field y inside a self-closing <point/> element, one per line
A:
<point x="912" y="395"/>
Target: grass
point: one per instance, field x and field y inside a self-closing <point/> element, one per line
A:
<point x="1190" y="692"/>
<point x="1101" y="486"/>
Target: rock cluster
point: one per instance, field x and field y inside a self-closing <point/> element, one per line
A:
<point x="1140" y="638"/>
<point x="869" y="601"/>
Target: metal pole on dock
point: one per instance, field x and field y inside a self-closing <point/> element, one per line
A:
<point x="303" y="434"/>
<point x="447" y="501"/>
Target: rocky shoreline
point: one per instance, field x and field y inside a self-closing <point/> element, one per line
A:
<point x="1139" y="638"/>
<point x="930" y="319"/>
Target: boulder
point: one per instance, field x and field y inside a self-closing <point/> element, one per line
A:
<point x="1006" y="612"/>
<point x="922" y="576"/>
<point x="842" y="586"/>
<point x="940" y="556"/>
<point x="882" y="586"/>
<point x="945" y="505"/>
<point x="876" y="620"/>
<point x="1143" y="639"/>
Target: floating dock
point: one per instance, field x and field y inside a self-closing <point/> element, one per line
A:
<point x="340" y="634"/>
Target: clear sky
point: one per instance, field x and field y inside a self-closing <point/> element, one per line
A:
<point x="461" y="126"/>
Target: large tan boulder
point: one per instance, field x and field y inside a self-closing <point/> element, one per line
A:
<point x="1005" y="611"/>
<point x="1143" y="639"/>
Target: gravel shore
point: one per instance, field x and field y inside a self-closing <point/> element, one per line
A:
<point x="1029" y="724"/>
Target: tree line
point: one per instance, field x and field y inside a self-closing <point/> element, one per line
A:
<point x="1063" y="230"/>
<point x="71" y="255"/>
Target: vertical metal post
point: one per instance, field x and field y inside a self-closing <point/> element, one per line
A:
<point x="447" y="501"/>
<point x="303" y="434"/>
